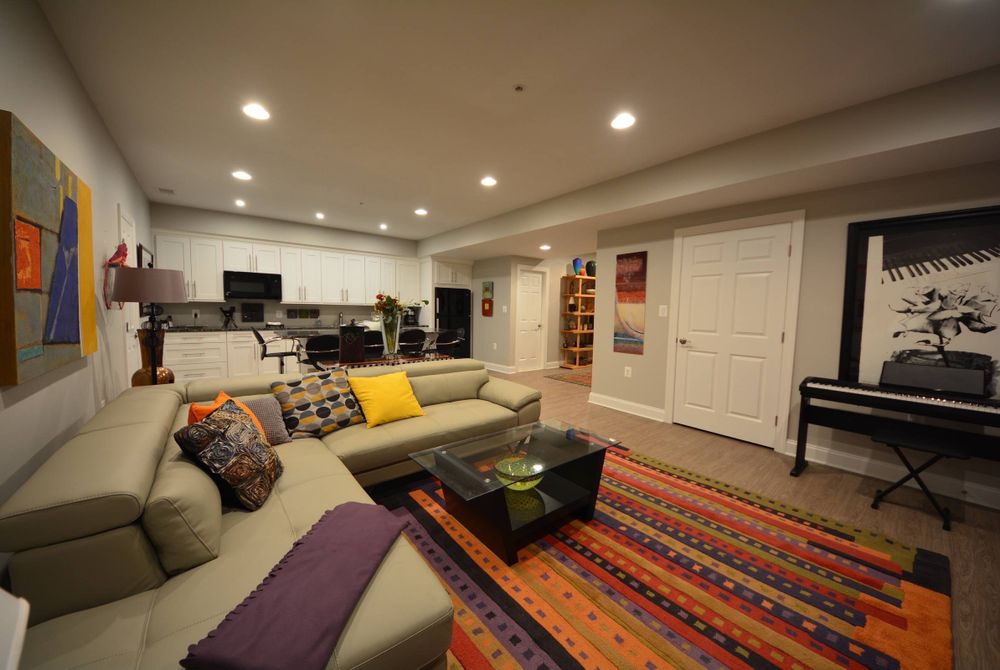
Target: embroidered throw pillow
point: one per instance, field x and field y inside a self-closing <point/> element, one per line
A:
<point x="228" y="445"/>
<point x="317" y="404"/>
<point x="268" y="413"/>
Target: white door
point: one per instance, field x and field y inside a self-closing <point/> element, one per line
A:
<point x="237" y="256"/>
<point x="387" y="276"/>
<point x="529" y="321"/>
<point x="291" y="275"/>
<point x="333" y="278"/>
<point x="730" y="331"/>
<point x="373" y="278"/>
<point x="354" y="279"/>
<point x="266" y="258"/>
<point x="206" y="269"/>
<point x="408" y="280"/>
<point x="130" y="311"/>
<point x="312" y="275"/>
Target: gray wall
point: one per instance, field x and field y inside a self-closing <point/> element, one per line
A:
<point x="39" y="85"/>
<point x="828" y="214"/>
<point x="208" y="222"/>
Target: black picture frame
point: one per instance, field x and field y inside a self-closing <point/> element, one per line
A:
<point x="144" y="257"/>
<point x="955" y="222"/>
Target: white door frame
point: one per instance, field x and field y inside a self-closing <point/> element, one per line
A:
<point x="798" y="220"/>
<point x="544" y="353"/>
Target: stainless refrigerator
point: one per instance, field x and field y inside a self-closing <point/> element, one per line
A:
<point x="453" y="311"/>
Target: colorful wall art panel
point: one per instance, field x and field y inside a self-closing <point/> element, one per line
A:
<point x="46" y="259"/>
<point x="630" y="302"/>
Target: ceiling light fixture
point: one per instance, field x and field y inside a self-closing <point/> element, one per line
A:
<point x="622" y="121"/>
<point x="242" y="175"/>
<point x="255" y="110"/>
<point x="545" y="247"/>
<point x="420" y="211"/>
<point x="383" y="226"/>
<point x="320" y="215"/>
<point x="240" y="203"/>
<point x="488" y="181"/>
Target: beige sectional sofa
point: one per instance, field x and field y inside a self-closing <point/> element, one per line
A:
<point x="127" y="556"/>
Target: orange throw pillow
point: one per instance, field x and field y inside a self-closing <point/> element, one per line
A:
<point x="197" y="412"/>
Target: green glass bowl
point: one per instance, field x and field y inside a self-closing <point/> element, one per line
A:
<point x="519" y="473"/>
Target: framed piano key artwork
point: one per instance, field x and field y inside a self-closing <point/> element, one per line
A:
<point x="923" y="290"/>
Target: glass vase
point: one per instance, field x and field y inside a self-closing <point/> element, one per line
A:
<point x="390" y="333"/>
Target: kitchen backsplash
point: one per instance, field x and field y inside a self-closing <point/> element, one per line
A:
<point x="210" y="316"/>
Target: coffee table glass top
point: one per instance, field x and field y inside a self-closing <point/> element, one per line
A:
<point x="516" y="458"/>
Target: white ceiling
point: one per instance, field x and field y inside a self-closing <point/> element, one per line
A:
<point x="404" y="104"/>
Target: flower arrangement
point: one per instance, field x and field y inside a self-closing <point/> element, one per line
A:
<point x="386" y="305"/>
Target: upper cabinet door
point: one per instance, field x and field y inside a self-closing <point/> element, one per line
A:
<point x="332" y="272"/>
<point x="237" y="256"/>
<point x="354" y="280"/>
<point x="312" y="275"/>
<point x="291" y="275"/>
<point x="174" y="253"/>
<point x="206" y="269"/>
<point x="387" y="276"/>
<point x="463" y="274"/>
<point x="408" y="280"/>
<point x="373" y="278"/>
<point x="266" y="258"/>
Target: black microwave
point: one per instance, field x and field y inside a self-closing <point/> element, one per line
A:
<point x="251" y="285"/>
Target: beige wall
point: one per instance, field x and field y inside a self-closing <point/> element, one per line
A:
<point x="208" y="222"/>
<point x="39" y="85"/>
<point x="827" y="214"/>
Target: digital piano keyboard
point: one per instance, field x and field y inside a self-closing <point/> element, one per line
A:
<point x="975" y="412"/>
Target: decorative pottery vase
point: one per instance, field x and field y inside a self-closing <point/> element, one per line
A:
<point x="591" y="268"/>
<point x="390" y="332"/>
<point x="519" y="472"/>
<point x="577" y="266"/>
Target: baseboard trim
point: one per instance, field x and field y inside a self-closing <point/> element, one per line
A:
<point x="946" y="485"/>
<point x="502" y="369"/>
<point x="551" y="365"/>
<point x="645" y="411"/>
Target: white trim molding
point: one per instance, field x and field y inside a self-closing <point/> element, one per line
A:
<point x="645" y="411"/>
<point x="502" y="369"/>
<point x="972" y="492"/>
<point x="551" y="365"/>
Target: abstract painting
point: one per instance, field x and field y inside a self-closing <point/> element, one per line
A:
<point x="924" y="290"/>
<point x="630" y="303"/>
<point x="46" y="259"/>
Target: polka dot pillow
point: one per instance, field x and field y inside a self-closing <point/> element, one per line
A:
<point x="317" y="404"/>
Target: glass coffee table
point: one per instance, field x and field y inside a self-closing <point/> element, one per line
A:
<point x="511" y="487"/>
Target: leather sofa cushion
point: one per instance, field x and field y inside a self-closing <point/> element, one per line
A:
<point x="142" y="404"/>
<point x="203" y="390"/>
<point x="448" y="387"/>
<point x="363" y="449"/>
<point x="97" y="481"/>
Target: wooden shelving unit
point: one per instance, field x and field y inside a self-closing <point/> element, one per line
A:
<point x="577" y="328"/>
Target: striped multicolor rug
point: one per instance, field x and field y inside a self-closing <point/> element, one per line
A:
<point x="677" y="570"/>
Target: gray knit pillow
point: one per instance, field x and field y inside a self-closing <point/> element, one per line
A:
<point x="268" y="412"/>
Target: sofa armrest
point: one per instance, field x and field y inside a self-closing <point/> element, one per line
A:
<point x="508" y="394"/>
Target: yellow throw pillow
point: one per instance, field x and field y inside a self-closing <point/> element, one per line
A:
<point x="385" y="398"/>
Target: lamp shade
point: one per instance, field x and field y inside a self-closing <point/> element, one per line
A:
<point x="148" y="285"/>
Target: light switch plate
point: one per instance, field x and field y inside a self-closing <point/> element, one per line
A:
<point x="664" y="310"/>
<point x="504" y="309"/>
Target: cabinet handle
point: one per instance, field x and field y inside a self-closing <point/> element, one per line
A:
<point x="194" y="289"/>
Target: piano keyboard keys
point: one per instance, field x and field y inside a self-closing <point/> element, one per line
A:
<point x="849" y="389"/>
<point x="900" y="267"/>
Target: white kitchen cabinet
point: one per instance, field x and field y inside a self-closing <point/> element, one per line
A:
<point x="373" y="278"/>
<point x="199" y="258"/>
<point x="332" y="271"/>
<point x="246" y="256"/>
<point x="291" y="274"/>
<point x="242" y="354"/>
<point x="312" y="276"/>
<point x="195" y="355"/>
<point x="301" y="276"/>
<point x="387" y="276"/>
<point x="354" y="280"/>
<point x="455" y="274"/>
<point x="408" y="280"/>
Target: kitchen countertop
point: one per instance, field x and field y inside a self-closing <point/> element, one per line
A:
<point x="296" y="331"/>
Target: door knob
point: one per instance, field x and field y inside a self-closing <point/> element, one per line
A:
<point x="682" y="341"/>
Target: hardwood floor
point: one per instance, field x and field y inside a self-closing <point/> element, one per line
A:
<point x="973" y="544"/>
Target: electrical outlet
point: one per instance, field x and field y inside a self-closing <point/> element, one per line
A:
<point x="628" y="371"/>
<point x="504" y="309"/>
<point x="278" y="313"/>
<point x="195" y="313"/>
<point x="494" y="346"/>
<point x="664" y="310"/>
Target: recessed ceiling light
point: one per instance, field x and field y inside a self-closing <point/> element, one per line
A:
<point x="622" y="121"/>
<point x="240" y="203"/>
<point x="545" y="247"/>
<point x="420" y="211"/>
<point x="255" y="110"/>
<point x="242" y="175"/>
<point x="320" y="215"/>
<point x="383" y="226"/>
<point x="488" y="181"/>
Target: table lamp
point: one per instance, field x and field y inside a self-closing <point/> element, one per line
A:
<point x="150" y="286"/>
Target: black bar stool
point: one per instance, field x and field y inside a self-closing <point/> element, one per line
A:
<point x="280" y="355"/>
<point x="321" y="352"/>
<point x="411" y="341"/>
<point x="374" y="347"/>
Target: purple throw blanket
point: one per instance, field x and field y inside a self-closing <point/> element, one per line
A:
<point x="296" y="615"/>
